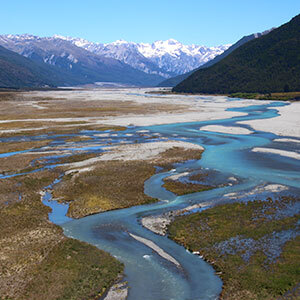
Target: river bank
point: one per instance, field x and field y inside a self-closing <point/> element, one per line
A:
<point x="254" y="247"/>
<point x="104" y="162"/>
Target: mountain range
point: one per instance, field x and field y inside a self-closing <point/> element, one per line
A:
<point x="267" y="64"/>
<point x="78" y="65"/>
<point x="171" y="82"/>
<point x="165" y="58"/>
<point x="77" y="61"/>
<point x="18" y="71"/>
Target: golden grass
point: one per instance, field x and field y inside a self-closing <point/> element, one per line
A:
<point x="36" y="260"/>
<point x="115" y="184"/>
<point x="182" y="188"/>
<point x="110" y="185"/>
<point x="72" y="108"/>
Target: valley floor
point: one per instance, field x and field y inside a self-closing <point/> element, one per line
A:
<point x="80" y="138"/>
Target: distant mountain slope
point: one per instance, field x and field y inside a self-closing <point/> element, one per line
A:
<point x="165" y="58"/>
<point x="268" y="64"/>
<point x="76" y="62"/>
<point x="173" y="81"/>
<point x="17" y="71"/>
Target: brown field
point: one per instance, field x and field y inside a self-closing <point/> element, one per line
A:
<point x="256" y="278"/>
<point x="115" y="184"/>
<point x="18" y="106"/>
<point x="36" y="260"/>
<point x="183" y="188"/>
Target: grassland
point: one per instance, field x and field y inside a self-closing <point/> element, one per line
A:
<point x="20" y="146"/>
<point x="110" y="185"/>
<point x="35" y="106"/>
<point x="182" y="188"/>
<point x="115" y="184"/>
<point x="237" y="240"/>
<point x="36" y="260"/>
<point x="56" y="112"/>
<point x="283" y="96"/>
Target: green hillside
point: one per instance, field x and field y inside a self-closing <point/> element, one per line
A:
<point x="268" y="64"/>
<point x="173" y="81"/>
<point x="17" y="71"/>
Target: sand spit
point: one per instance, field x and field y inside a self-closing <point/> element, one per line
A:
<point x="278" y="151"/>
<point x="287" y="124"/>
<point x="286" y="140"/>
<point x="155" y="248"/>
<point x="118" y="291"/>
<point x="226" y="129"/>
<point x="159" y="223"/>
<point x="177" y="176"/>
<point x="273" y="188"/>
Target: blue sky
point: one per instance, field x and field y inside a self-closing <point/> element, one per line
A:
<point x="205" y="22"/>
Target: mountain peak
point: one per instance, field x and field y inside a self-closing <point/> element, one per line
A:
<point x="120" y="42"/>
<point x="163" y="57"/>
<point x="24" y="36"/>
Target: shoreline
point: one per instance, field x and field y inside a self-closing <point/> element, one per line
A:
<point x="276" y="96"/>
<point x="126" y="153"/>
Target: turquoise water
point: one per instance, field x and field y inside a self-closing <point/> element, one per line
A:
<point x="150" y="276"/>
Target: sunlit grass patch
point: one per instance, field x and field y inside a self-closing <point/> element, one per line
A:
<point x="181" y="188"/>
<point x="37" y="261"/>
<point x="115" y="184"/>
<point x="73" y="270"/>
<point x="110" y="185"/>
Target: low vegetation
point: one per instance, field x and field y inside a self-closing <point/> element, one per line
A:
<point x="36" y="260"/>
<point x="181" y="188"/>
<point x="110" y="185"/>
<point x="288" y="96"/>
<point x="115" y="184"/>
<point x="254" y="246"/>
<point x="73" y="270"/>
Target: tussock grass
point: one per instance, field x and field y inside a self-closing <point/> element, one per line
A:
<point x="182" y="188"/>
<point x="110" y="185"/>
<point x="115" y="184"/>
<point x="37" y="261"/>
<point x="243" y="280"/>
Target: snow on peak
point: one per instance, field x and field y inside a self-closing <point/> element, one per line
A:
<point x="119" y="42"/>
<point x="21" y="37"/>
<point x="163" y="57"/>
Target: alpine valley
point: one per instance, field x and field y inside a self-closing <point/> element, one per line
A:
<point x="77" y="61"/>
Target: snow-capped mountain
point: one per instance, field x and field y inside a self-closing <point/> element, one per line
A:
<point x="81" y="65"/>
<point x="171" y="82"/>
<point x="165" y="58"/>
<point x="178" y="58"/>
<point x="150" y="62"/>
